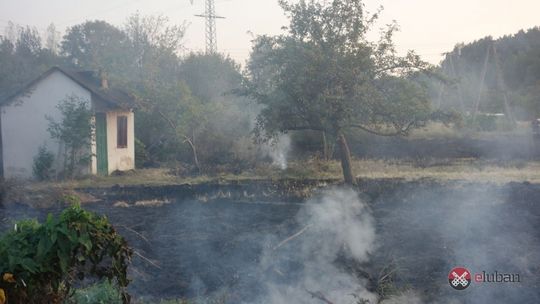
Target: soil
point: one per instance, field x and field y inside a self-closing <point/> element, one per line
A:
<point x="208" y="239"/>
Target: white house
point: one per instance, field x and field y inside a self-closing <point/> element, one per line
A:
<point x="24" y="124"/>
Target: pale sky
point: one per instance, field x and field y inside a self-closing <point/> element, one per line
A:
<point x="430" y="27"/>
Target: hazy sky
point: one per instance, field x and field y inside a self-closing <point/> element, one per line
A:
<point x="430" y="27"/>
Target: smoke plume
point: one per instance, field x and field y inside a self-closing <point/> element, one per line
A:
<point x="303" y="266"/>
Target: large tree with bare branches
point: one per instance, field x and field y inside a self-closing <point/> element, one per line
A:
<point x="324" y="74"/>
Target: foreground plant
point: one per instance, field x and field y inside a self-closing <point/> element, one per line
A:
<point x="40" y="263"/>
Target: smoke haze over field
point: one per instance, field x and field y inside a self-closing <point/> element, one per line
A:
<point x="472" y="227"/>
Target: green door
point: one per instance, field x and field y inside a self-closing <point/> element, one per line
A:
<point x="101" y="144"/>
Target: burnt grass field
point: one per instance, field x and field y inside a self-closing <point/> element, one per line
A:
<point x="192" y="245"/>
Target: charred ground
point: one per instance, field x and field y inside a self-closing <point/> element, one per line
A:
<point x="206" y="241"/>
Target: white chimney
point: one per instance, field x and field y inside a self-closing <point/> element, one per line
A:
<point x="104" y="81"/>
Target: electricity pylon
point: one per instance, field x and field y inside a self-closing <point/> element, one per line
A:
<point x="210" y="16"/>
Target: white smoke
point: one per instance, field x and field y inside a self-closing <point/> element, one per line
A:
<point x="335" y="223"/>
<point x="278" y="150"/>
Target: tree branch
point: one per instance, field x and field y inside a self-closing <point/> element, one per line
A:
<point x="400" y="65"/>
<point x="174" y="127"/>
<point x="185" y="137"/>
<point x="320" y="296"/>
<point x="402" y="131"/>
<point x="303" y="128"/>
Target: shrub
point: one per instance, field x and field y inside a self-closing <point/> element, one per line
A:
<point x="141" y="155"/>
<point x="41" y="262"/>
<point x="43" y="162"/>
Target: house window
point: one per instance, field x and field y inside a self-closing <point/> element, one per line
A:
<point x="121" y="128"/>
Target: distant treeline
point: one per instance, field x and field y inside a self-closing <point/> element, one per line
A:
<point x="493" y="76"/>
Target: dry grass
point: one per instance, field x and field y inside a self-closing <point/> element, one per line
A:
<point x="465" y="169"/>
<point x="438" y="130"/>
<point x="462" y="169"/>
<point x="443" y="170"/>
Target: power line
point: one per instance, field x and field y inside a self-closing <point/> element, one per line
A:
<point x="211" y="35"/>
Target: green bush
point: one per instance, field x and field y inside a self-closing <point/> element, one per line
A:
<point x="141" y="155"/>
<point x="43" y="162"/>
<point x="41" y="262"/>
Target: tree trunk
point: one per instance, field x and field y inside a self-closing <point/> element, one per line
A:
<point x="325" y="146"/>
<point x="328" y="145"/>
<point x="72" y="163"/>
<point x="194" y="154"/>
<point x="346" y="164"/>
<point x="196" y="159"/>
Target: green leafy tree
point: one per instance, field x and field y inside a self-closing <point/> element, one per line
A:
<point x="324" y="74"/>
<point x="172" y="112"/>
<point x="22" y="59"/>
<point x="153" y="35"/>
<point x="96" y="45"/>
<point x="75" y="130"/>
<point x="211" y="77"/>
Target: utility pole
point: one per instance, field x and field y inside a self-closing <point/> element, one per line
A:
<point x="482" y="81"/>
<point x="210" y="16"/>
<point x="454" y="72"/>
<point x="502" y="86"/>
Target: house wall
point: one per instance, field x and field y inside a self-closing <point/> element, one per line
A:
<point x="24" y="126"/>
<point x="121" y="159"/>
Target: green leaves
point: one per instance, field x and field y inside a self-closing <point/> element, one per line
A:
<point x="75" y="130"/>
<point x="325" y="75"/>
<point x="45" y="256"/>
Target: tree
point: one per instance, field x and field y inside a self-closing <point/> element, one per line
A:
<point x="324" y="74"/>
<point x="96" y="45"/>
<point x="167" y="106"/>
<point x="22" y="59"/>
<point x="213" y="79"/>
<point x="75" y="130"/>
<point x="178" y="109"/>
<point x="153" y="47"/>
